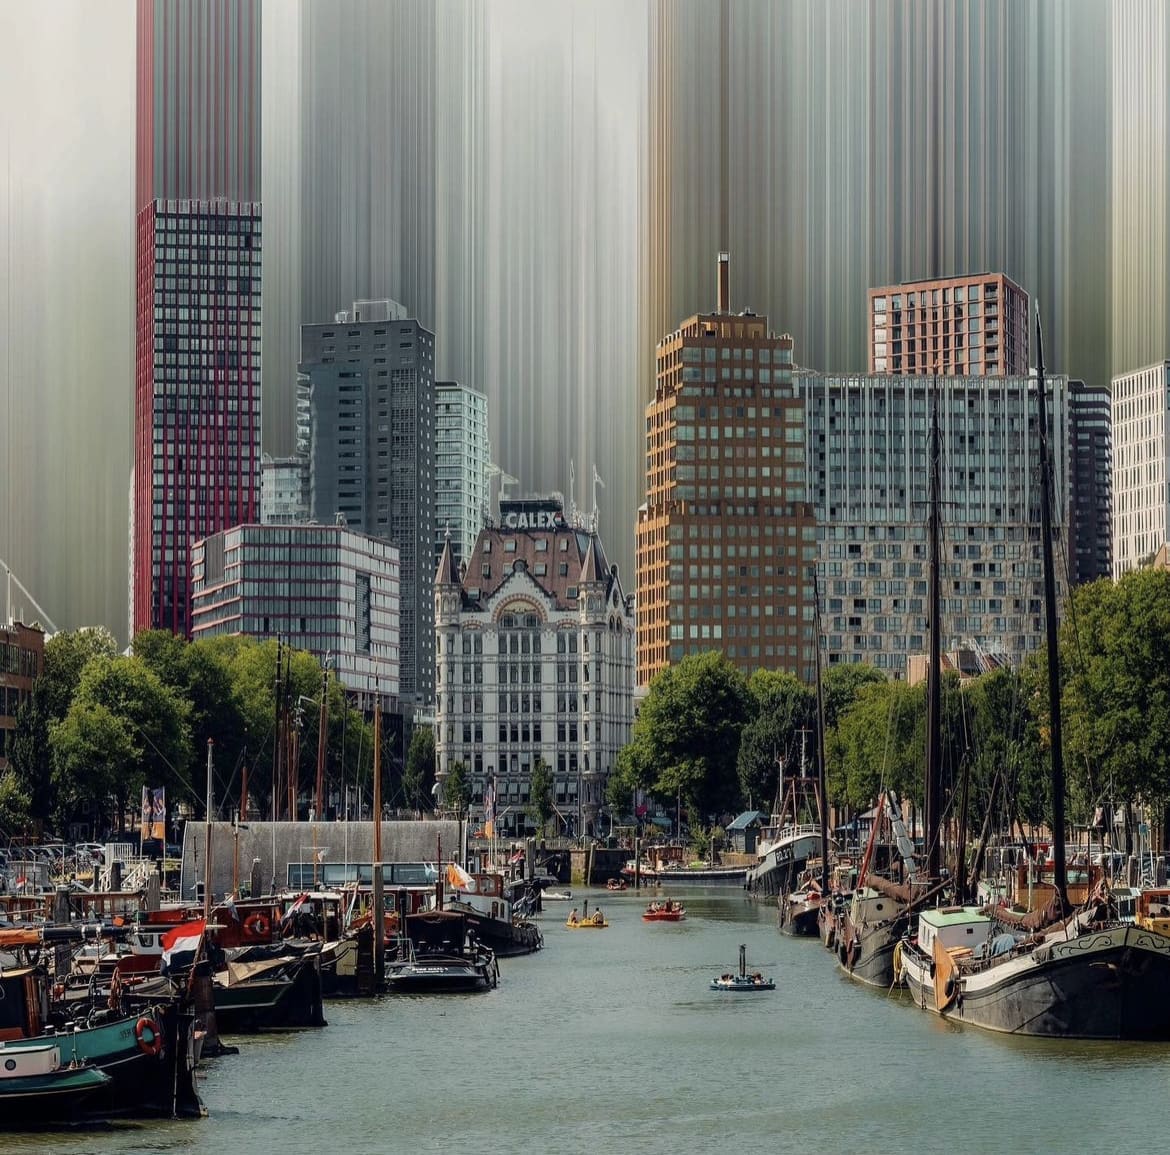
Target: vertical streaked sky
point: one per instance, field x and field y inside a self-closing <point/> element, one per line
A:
<point x="67" y="305"/>
<point x="546" y="184"/>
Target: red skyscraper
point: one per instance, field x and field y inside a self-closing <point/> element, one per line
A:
<point x="197" y="333"/>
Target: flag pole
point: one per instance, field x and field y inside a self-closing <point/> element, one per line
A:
<point x="207" y="847"/>
<point x="379" y="900"/>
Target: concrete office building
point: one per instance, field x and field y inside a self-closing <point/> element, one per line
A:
<point x="868" y="476"/>
<point x="462" y="455"/>
<point x="535" y="648"/>
<point x="284" y="490"/>
<point x="726" y="540"/>
<point x="321" y="588"/>
<point x="1141" y="466"/>
<point x="955" y="326"/>
<point x="197" y="332"/>
<point x="366" y="422"/>
<point x="1090" y="477"/>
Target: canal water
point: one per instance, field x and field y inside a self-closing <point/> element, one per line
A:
<point x="610" y="1041"/>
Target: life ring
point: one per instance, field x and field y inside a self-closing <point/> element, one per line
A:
<point x="257" y="925"/>
<point x="149" y="1037"/>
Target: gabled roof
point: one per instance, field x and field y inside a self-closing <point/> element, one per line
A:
<point x="746" y="819"/>
<point x="544" y="553"/>
<point x="448" y="571"/>
<point x="589" y="567"/>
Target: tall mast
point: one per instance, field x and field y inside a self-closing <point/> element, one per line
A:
<point x="207" y="847"/>
<point x="933" y="679"/>
<point x="1059" y="872"/>
<point x="322" y="739"/>
<point x="822" y="798"/>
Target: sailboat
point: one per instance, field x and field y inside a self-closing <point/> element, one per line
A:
<point x="800" y="908"/>
<point x="1057" y="973"/>
<point x="787" y="844"/>
<point x="869" y="939"/>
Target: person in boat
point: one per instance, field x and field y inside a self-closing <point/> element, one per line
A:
<point x="573" y="919"/>
<point x="598" y="917"/>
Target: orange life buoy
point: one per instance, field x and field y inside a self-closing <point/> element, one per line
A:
<point x="257" y="925"/>
<point x="149" y="1037"/>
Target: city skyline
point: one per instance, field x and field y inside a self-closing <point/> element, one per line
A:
<point x="548" y="158"/>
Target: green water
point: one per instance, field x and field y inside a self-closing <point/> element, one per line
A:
<point x="609" y="1041"/>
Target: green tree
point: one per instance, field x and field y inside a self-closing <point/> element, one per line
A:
<point x="878" y="744"/>
<point x="1005" y="745"/>
<point x="419" y="775"/>
<point x="457" y="789"/>
<point x="685" y="743"/>
<point x="1116" y="691"/>
<point x="66" y="655"/>
<point x="124" y="730"/>
<point x="201" y="675"/>
<point x="14" y="806"/>
<point x="540" y="806"/>
<point x="784" y="707"/>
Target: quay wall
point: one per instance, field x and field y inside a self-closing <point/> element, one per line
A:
<point x="276" y="844"/>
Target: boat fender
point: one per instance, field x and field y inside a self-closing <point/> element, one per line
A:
<point x="149" y="1037"/>
<point x="898" y="962"/>
<point x="257" y="924"/>
<point x="950" y="987"/>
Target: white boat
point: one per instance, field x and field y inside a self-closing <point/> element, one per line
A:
<point x="557" y="895"/>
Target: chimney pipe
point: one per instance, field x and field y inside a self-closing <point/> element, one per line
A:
<point x="723" y="301"/>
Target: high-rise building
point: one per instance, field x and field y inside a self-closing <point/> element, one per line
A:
<point x="1090" y="477"/>
<point x="868" y="475"/>
<point x="322" y="588"/>
<point x="197" y="333"/>
<point x="955" y="326"/>
<point x="366" y="422"/>
<point x="1141" y="466"/>
<point x="726" y="539"/>
<point x="535" y="646"/>
<point x="462" y="455"/>
<point x="284" y="490"/>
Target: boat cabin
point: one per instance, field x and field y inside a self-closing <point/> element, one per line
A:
<point x="955" y="928"/>
<point x="23" y="1004"/>
<point x="1153" y="911"/>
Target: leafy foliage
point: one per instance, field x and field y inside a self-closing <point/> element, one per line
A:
<point x="457" y="788"/>
<point x="419" y="775"/>
<point x="685" y="743"/>
<point x="124" y="730"/>
<point x="784" y="706"/>
<point x="541" y="794"/>
<point x="1116" y="692"/>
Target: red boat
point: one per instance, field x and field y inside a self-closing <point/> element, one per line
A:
<point x="667" y="911"/>
<point x="615" y="884"/>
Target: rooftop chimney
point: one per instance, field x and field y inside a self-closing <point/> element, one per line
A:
<point x="723" y="301"/>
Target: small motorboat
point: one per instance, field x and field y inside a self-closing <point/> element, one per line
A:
<point x="557" y="895"/>
<point x="743" y="981"/>
<point x="668" y="911"/>
<point x="594" y="921"/>
<point x="36" y="1087"/>
<point x="616" y="884"/>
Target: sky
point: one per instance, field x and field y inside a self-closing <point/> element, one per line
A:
<point x="545" y="184"/>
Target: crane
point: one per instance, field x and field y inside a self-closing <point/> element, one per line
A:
<point x="14" y="580"/>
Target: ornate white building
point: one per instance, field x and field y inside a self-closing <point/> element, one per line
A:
<point x="534" y="655"/>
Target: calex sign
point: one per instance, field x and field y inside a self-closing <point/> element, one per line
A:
<point x="531" y="519"/>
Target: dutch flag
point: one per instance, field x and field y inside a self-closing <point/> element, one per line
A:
<point x="181" y="945"/>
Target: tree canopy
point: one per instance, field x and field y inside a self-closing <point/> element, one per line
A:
<point x="419" y="775"/>
<point x="685" y="743"/>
